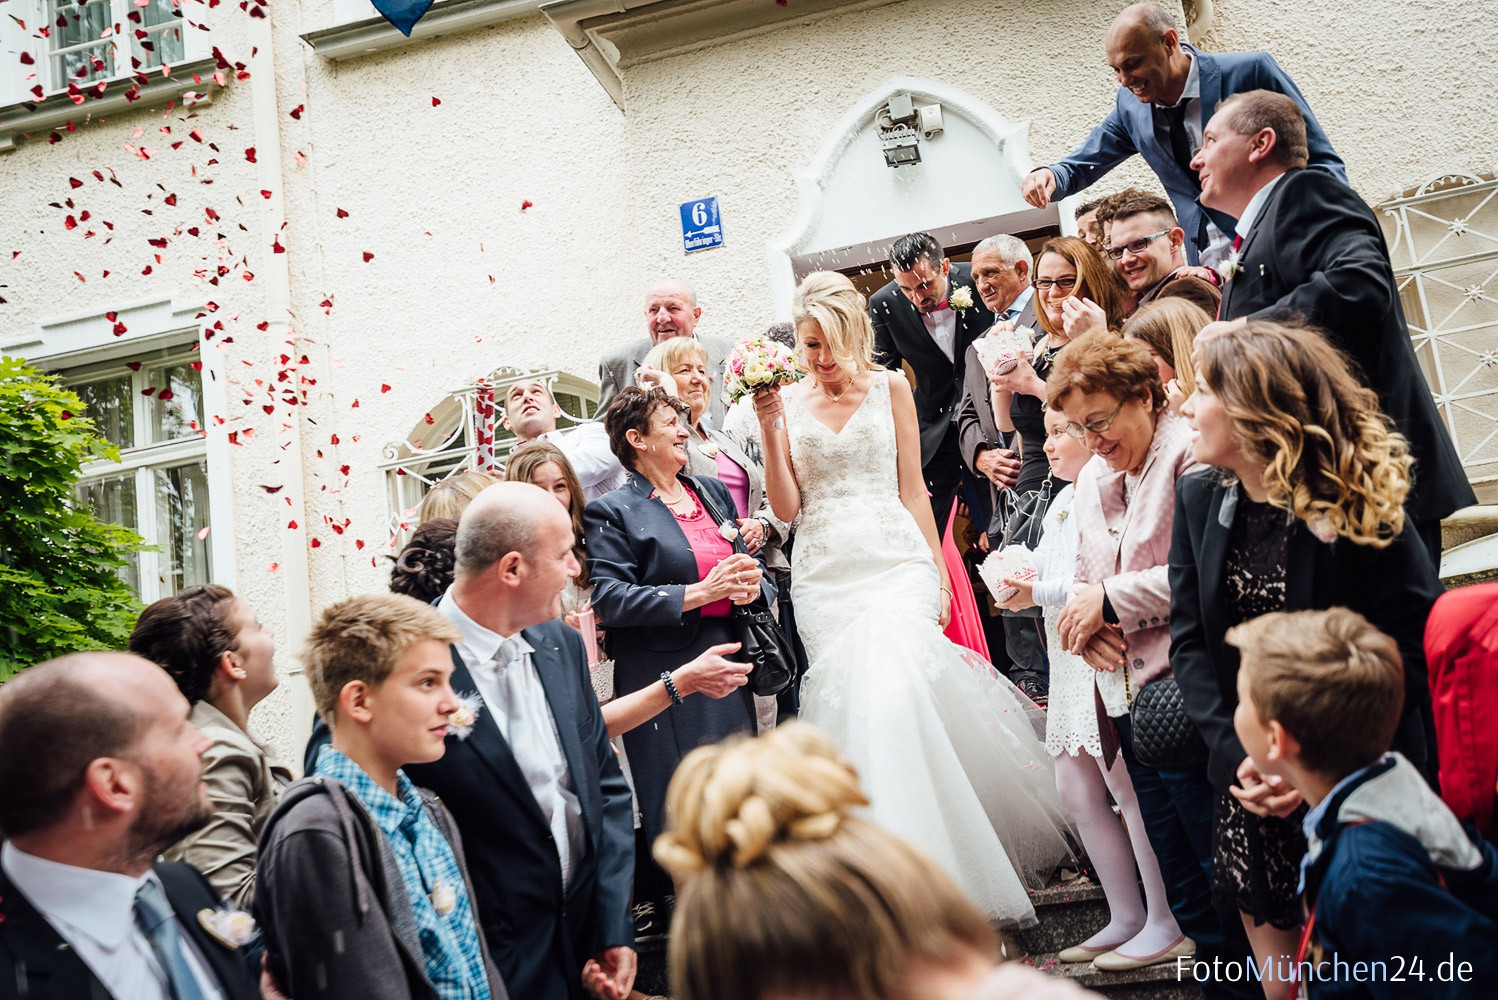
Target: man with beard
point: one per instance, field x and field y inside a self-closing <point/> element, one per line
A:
<point x="100" y="772"/>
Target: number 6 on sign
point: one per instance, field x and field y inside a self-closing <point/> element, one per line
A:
<point x="701" y="226"/>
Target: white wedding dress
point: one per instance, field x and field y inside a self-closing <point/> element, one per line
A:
<point x="949" y="753"/>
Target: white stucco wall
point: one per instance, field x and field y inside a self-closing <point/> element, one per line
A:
<point x="434" y="192"/>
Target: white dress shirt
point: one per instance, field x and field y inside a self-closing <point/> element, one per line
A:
<point x="587" y="449"/>
<point x="942" y="325"/>
<point x="1216" y="249"/>
<point x="513" y="693"/>
<point x="1254" y="207"/>
<point x="1012" y="314"/>
<point x="94" y="912"/>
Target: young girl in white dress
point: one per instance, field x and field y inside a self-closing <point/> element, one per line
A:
<point x="947" y="750"/>
<point x="1139" y="930"/>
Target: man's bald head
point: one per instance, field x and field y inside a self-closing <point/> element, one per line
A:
<point x="59" y="716"/>
<point x="1144" y="50"/>
<point x="1147" y="17"/>
<point x="504" y="518"/>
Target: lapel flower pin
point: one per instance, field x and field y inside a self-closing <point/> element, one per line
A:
<point x="1231" y="266"/>
<point x="708" y="448"/>
<point x="229" y="927"/>
<point x="444" y="898"/>
<point x="462" y="719"/>
<point x="961" y="297"/>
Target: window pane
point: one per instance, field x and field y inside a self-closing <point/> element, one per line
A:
<point x="110" y="404"/>
<point x="171" y="418"/>
<point x="73" y="23"/>
<point x="83" y="65"/>
<point x="112" y="499"/>
<point x="182" y="512"/>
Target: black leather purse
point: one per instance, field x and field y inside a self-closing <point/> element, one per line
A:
<point x="1164" y="735"/>
<point x="764" y="644"/>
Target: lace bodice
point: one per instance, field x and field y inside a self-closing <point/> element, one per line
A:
<point x="857" y="463"/>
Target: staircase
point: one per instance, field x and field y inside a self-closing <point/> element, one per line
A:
<point x="1068" y="914"/>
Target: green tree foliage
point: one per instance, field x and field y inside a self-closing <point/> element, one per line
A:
<point x="59" y="592"/>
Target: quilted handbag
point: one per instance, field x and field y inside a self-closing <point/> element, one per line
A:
<point x="1164" y="735"/>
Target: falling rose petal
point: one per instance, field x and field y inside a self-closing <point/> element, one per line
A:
<point x="384" y="387"/>
<point x="170" y="199"/>
<point x="436" y="101"/>
<point x="291" y="526"/>
<point x="249" y="154"/>
<point x="527" y="203"/>
<point x="133" y="365"/>
<point x="276" y="246"/>
<point x="429" y="419"/>
<point x="75" y="182"/>
<point x="273" y="489"/>
<point x="355" y="406"/>
<point x="80" y="277"/>
<point x="342" y="214"/>
<point x="164" y="394"/>
<point x="148" y="390"/>
<point x="368" y="256"/>
<point x="197" y="366"/>
<point x="203" y="532"/>
<point x="358" y="543"/>
<point x="70" y="223"/>
<point x="296" y="112"/>
<point x="66" y="415"/>
<point x="316" y="543"/>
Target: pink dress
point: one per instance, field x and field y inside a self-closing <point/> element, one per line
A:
<point x="965" y="628"/>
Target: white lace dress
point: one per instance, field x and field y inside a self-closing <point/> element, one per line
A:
<point x="949" y="753"/>
<point x="1071" y="716"/>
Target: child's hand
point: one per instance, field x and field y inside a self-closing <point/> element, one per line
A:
<point x="1264" y="796"/>
<point x="1024" y="594"/>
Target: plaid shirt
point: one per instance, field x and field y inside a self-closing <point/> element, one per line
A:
<point x="449" y="944"/>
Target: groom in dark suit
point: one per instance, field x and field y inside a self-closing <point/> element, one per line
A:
<point x="928" y="317"/>
<point x="1308" y="248"/>
<point x="536" y="789"/>
<point x="99" y="773"/>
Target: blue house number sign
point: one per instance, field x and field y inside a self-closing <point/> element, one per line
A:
<point x="701" y="226"/>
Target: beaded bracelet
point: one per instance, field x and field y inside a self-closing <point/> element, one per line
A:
<point x="671" y="687"/>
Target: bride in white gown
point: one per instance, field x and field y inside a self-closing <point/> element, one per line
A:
<point x="949" y="752"/>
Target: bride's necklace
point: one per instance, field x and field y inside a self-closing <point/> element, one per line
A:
<point x="839" y="396"/>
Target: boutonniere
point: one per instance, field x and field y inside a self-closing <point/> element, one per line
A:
<point x="229" y="927"/>
<point x="1231" y="267"/>
<point x="961" y="297"/>
<point x="444" y="898"/>
<point x="1061" y="515"/>
<point x="461" y="720"/>
<point x="708" y="448"/>
<point x="728" y="531"/>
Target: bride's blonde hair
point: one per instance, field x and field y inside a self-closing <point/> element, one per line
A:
<point x="782" y="890"/>
<point x="842" y="313"/>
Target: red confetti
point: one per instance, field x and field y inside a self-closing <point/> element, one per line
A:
<point x="334" y="440"/>
<point x="66" y="415"/>
<point x="148" y="390"/>
<point x="316" y="542"/>
<point x="527" y="203"/>
<point x="276" y="246"/>
<point x="70" y="223"/>
<point x="266" y="194"/>
<point x="296" y="112"/>
<point x="119" y="328"/>
<point x="203" y="532"/>
<point x="75" y="182"/>
<point x="291" y="526"/>
<point x="269" y="409"/>
<point x="384" y="387"/>
<point x="368" y="256"/>
<point x="272" y="489"/>
<point x="170" y="199"/>
<point x="164" y="394"/>
<point x="133" y="365"/>
<point x="436" y="101"/>
<point x="355" y="406"/>
<point x="429" y="419"/>
<point x="358" y="543"/>
<point x="197" y="366"/>
<point x="196" y="134"/>
<point x="80" y="277"/>
<point x="342" y="214"/>
<point x="26" y="59"/>
<point x="249" y="154"/>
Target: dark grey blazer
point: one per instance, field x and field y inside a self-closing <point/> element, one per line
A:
<point x="976" y="426"/>
<point x="617" y="370"/>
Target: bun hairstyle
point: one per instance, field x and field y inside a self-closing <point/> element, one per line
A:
<point x="842" y="313"/>
<point x="187" y="635"/>
<point x="1331" y="456"/>
<point x="783" y="889"/>
<point x="424" y="568"/>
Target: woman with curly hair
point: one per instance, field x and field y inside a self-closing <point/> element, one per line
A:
<point x="1304" y="511"/>
<point x="787" y="890"/>
<point x="424" y="568"/>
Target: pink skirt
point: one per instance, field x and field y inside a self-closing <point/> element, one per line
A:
<point x="966" y="628"/>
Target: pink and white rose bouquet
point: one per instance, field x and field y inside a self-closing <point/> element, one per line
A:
<point x="756" y="364"/>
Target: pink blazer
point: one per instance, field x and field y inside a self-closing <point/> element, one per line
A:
<point x="1126" y="546"/>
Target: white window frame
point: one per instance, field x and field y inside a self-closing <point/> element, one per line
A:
<point x="144" y="458"/>
<point x="18" y="79"/>
<point x="79" y="345"/>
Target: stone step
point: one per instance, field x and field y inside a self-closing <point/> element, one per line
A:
<point x="1068" y="913"/>
<point x="1157" y="982"/>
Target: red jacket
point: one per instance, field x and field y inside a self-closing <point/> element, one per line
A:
<point x="1461" y="653"/>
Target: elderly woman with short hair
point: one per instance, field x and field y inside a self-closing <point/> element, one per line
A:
<point x="666" y="573"/>
<point x="1118" y="618"/>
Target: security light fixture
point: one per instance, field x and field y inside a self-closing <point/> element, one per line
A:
<point x="901" y="124"/>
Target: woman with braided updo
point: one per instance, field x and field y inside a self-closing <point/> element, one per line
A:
<point x="785" y="891"/>
<point x="1304" y="511"/>
<point x="424" y="568"/>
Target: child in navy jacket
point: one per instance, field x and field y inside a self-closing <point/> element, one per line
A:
<point x="1400" y="897"/>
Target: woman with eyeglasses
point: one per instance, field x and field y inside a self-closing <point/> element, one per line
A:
<point x="1118" y="618"/>
<point x="1075" y="290"/>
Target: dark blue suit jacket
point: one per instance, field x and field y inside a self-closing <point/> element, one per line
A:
<point x="1130" y="128"/>
<point x="538" y="936"/>
<point x="640" y="565"/>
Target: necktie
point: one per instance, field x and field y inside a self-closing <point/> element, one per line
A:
<point x="154" y="917"/>
<point x="532" y="739"/>
<point x="1237" y="242"/>
<point x="1180" y="143"/>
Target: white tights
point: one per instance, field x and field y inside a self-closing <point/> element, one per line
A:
<point x="1136" y="928"/>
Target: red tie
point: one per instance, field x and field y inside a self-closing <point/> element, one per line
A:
<point x="1237" y="242"/>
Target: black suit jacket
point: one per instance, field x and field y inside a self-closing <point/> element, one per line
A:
<point x="37" y="964"/>
<point x="900" y="335"/>
<point x="539" y="937"/>
<point x="1393" y="587"/>
<point x="1317" y="252"/>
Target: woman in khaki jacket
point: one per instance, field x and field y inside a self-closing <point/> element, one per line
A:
<point x="222" y="660"/>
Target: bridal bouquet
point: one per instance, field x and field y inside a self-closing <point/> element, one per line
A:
<point x="758" y="363"/>
<point x="1000" y="352"/>
<point x="1012" y="561"/>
